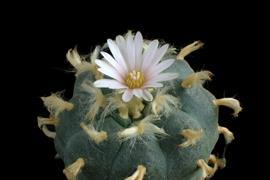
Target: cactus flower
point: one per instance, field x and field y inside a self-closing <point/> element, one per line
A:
<point x="133" y="68"/>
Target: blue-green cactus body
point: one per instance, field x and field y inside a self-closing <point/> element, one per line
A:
<point x="113" y="159"/>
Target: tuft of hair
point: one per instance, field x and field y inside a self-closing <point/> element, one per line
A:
<point x="221" y="162"/>
<point x="171" y="51"/>
<point x="74" y="58"/>
<point x="85" y="66"/>
<point x="74" y="169"/>
<point x="91" y="66"/>
<point x="163" y="103"/>
<point x="189" y="49"/>
<point x="228" y="135"/>
<point x="94" y="54"/>
<point x="42" y="124"/>
<point x="94" y="68"/>
<point x="48" y="133"/>
<point x="145" y="127"/>
<point x="135" y="107"/>
<point x="97" y="99"/>
<point x="47" y="121"/>
<point x="192" y="136"/>
<point x="115" y="102"/>
<point x="55" y="104"/>
<point x="95" y="135"/>
<point x="197" y="78"/>
<point x="231" y="103"/>
<point x="81" y="65"/>
<point x="138" y="174"/>
<point x="208" y="171"/>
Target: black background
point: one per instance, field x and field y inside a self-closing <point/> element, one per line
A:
<point x="41" y="34"/>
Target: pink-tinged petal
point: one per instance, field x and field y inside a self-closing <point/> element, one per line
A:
<point x="152" y="84"/>
<point x="108" y="70"/>
<point x="137" y="92"/>
<point x="164" y="77"/>
<point x="138" y="49"/>
<point x="127" y="95"/>
<point x="111" y="74"/>
<point x="160" y="53"/>
<point x="147" y="95"/>
<point x="109" y="83"/>
<point x="149" y="54"/>
<point x="117" y="54"/>
<point x="113" y="62"/>
<point x="155" y="70"/>
<point x="130" y="51"/>
<point x="121" y="43"/>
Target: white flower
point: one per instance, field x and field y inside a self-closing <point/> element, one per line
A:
<point x="133" y="68"/>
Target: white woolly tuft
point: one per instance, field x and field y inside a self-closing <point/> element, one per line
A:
<point x="163" y="103"/>
<point x="85" y="66"/>
<point x="133" y="107"/>
<point x="73" y="57"/>
<point x="74" y="169"/>
<point x="94" y="55"/>
<point x="144" y="127"/>
<point x="228" y="135"/>
<point x="55" y="104"/>
<point x="138" y="174"/>
<point x="192" y="137"/>
<point x="94" y="69"/>
<point x="42" y="124"/>
<point x="46" y="121"/>
<point x="197" y="78"/>
<point x="231" y="103"/>
<point x="97" y="99"/>
<point x="115" y="102"/>
<point x="207" y="171"/>
<point x="81" y="65"/>
<point x="189" y="49"/>
<point x="95" y="135"/>
<point x="48" y="133"/>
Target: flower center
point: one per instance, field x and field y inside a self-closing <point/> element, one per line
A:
<point x="134" y="79"/>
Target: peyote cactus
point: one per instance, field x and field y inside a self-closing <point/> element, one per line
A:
<point x="139" y="113"/>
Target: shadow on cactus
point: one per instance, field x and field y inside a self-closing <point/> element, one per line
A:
<point x="138" y="111"/>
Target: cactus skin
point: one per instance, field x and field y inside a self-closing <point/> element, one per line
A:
<point x="113" y="159"/>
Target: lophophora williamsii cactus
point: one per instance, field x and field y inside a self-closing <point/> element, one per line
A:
<point x="138" y="111"/>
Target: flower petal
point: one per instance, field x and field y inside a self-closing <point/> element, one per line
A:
<point x="109" y="83"/>
<point x="127" y="96"/>
<point x="130" y="51"/>
<point x="163" y="65"/>
<point x="160" y="53"/>
<point x="138" y="93"/>
<point x="121" y="43"/>
<point x="113" y="62"/>
<point x="149" y="54"/>
<point x="138" y="49"/>
<point x="108" y="70"/>
<point x="164" y="77"/>
<point x="147" y="95"/>
<point x="117" y="54"/>
<point x="152" y="84"/>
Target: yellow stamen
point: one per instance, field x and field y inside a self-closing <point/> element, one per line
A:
<point x="135" y="79"/>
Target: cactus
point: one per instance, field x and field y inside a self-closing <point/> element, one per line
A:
<point x="163" y="131"/>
